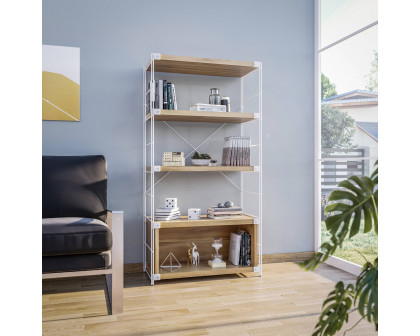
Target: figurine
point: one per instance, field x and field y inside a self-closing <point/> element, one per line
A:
<point x="193" y="255"/>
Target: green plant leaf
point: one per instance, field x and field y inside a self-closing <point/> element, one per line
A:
<point x="335" y="310"/>
<point x="366" y="291"/>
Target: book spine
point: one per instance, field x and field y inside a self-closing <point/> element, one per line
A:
<point x="156" y="104"/>
<point x="248" y="254"/>
<point x="170" y="101"/>
<point x="174" y="97"/>
<point x="165" y="95"/>
<point x="160" y="94"/>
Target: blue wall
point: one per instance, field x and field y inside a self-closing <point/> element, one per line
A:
<point x="115" y="40"/>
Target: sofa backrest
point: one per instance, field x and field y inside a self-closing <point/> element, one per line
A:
<point x="74" y="186"/>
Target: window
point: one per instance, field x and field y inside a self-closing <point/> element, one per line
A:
<point x="346" y="108"/>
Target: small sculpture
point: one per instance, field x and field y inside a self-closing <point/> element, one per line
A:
<point x="193" y="255"/>
<point x="227" y="204"/>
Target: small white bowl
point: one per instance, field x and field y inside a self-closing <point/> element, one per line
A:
<point x="200" y="162"/>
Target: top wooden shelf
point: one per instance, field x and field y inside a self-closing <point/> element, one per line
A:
<point x="202" y="66"/>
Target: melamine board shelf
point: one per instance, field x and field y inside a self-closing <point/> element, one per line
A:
<point x="204" y="221"/>
<point x="187" y="271"/>
<point x="205" y="168"/>
<point x="202" y="66"/>
<point x="201" y="116"/>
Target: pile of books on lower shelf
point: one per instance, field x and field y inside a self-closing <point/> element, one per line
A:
<point x="237" y="151"/>
<point x="166" y="214"/>
<point x="224" y="213"/>
<point x="240" y="248"/>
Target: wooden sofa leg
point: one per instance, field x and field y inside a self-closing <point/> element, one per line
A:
<point x="115" y="281"/>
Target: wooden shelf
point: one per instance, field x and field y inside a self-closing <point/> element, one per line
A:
<point x="187" y="271"/>
<point x="205" y="168"/>
<point x="202" y="66"/>
<point x="204" y="221"/>
<point x="200" y="116"/>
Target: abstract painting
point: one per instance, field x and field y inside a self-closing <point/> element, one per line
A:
<point x="60" y="83"/>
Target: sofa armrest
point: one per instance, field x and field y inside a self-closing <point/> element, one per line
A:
<point x="115" y="221"/>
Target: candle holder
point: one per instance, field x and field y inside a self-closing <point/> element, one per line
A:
<point x="217" y="261"/>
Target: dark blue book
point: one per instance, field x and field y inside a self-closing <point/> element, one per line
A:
<point x="165" y="95"/>
<point x="169" y="94"/>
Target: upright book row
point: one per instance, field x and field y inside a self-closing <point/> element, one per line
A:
<point x="237" y="151"/>
<point x="164" y="93"/>
<point x="240" y="248"/>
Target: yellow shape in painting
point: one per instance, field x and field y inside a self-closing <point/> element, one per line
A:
<point x="60" y="97"/>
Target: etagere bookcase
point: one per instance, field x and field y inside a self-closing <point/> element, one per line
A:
<point x="162" y="237"/>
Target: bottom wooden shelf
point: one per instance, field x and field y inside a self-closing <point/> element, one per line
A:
<point x="188" y="271"/>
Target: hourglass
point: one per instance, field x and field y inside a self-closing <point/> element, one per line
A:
<point x="217" y="257"/>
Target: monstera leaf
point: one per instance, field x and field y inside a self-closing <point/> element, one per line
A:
<point x="335" y="310"/>
<point x="354" y="202"/>
<point x="367" y="292"/>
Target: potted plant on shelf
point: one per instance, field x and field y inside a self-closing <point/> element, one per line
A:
<point x="201" y="159"/>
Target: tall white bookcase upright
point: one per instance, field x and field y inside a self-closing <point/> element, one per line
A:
<point x="162" y="237"/>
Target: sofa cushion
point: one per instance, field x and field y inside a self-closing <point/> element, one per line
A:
<point x="76" y="262"/>
<point x="74" y="186"/>
<point x="74" y="235"/>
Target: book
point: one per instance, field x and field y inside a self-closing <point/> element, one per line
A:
<point x="160" y="94"/>
<point x="174" y="97"/>
<point x="236" y="151"/>
<point x="225" y="213"/>
<point x="208" y="107"/>
<point x="234" y="248"/>
<point x="224" y="217"/>
<point x="216" y="209"/>
<point x="165" y="95"/>
<point x="166" y="218"/>
<point x="170" y="98"/>
<point x="167" y="210"/>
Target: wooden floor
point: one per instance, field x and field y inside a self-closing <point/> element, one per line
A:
<point x="285" y="301"/>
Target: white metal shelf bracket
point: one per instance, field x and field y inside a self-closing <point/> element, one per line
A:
<point x="156" y="277"/>
<point x="256" y="116"/>
<point x="257" y="268"/>
<point x="257" y="221"/>
<point x="257" y="64"/>
<point x="156" y="168"/>
<point x="156" y="111"/>
<point x="156" y="225"/>
<point x="256" y="168"/>
<point x="156" y="56"/>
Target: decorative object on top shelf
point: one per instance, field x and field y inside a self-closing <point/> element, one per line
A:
<point x="193" y="255"/>
<point x="214" y="97"/>
<point x="226" y="102"/>
<point x="200" y="159"/>
<point x="171" y="203"/>
<point x="217" y="261"/>
<point x="222" y="212"/>
<point x="213" y="163"/>
<point x="194" y="213"/>
<point x="208" y="107"/>
<point x="173" y="159"/>
<point x="237" y="151"/>
<point x="169" y="265"/>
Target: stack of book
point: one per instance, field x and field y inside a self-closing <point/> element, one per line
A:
<point x="173" y="159"/>
<point x="166" y="214"/>
<point x="164" y="93"/>
<point x="208" y="107"/>
<point x="240" y="248"/>
<point x="224" y="213"/>
<point x="237" y="151"/>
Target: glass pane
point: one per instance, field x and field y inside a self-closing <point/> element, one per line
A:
<point x="362" y="245"/>
<point x="343" y="17"/>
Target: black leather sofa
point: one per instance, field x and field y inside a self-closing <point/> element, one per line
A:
<point x="80" y="237"/>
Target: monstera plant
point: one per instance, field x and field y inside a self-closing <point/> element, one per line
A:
<point x="355" y="202"/>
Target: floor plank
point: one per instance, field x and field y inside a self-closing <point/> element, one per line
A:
<point x="286" y="301"/>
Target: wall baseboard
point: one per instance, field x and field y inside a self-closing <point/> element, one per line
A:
<point x="267" y="259"/>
